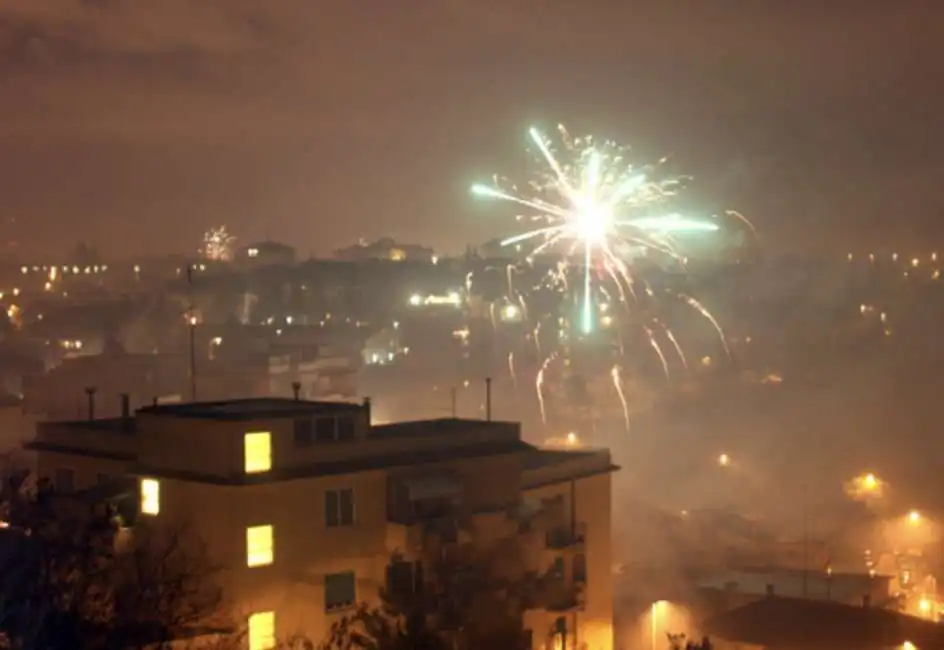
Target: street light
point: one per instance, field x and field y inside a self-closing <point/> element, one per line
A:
<point x="724" y="460"/>
<point x="914" y="517"/>
<point x="657" y="608"/>
<point x="865" y="486"/>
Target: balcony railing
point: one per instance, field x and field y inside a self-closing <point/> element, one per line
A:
<point x="555" y="594"/>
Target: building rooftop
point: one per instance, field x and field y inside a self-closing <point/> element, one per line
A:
<point x="547" y="457"/>
<point x="253" y="408"/>
<point x="436" y="427"/>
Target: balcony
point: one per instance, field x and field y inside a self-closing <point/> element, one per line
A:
<point x="555" y="594"/>
<point x="565" y="537"/>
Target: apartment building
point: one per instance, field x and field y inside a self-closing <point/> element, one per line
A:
<point x="308" y="505"/>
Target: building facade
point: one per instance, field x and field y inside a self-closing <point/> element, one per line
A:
<point x="309" y="507"/>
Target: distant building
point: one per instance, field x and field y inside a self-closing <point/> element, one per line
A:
<point x="741" y="586"/>
<point x="313" y="510"/>
<point x="60" y="393"/>
<point x="265" y="253"/>
<point x="385" y="249"/>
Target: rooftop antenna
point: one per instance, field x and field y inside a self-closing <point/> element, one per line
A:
<point x="192" y="325"/>
<point x="488" y="399"/>
<point x="90" y="395"/>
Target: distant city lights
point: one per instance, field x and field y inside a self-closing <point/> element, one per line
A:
<point x="452" y="299"/>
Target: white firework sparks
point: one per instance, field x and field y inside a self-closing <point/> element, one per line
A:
<point x="218" y="244"/>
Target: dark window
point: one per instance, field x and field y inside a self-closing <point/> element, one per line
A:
<point x="580" y="568"/>
<point x="325" y="430"/>
<point x="557" y="569"/>
<point x="346" y="428"/>
<point x="102" y="479"/>
<point x="303" y="433"/>
<point x="340" y="591"/>
<point x="339" y="508"/>
<point x="65" y="480"/>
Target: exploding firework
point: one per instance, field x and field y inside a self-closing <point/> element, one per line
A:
<point x="217" y="244"/>
<point x="599" y="212"/>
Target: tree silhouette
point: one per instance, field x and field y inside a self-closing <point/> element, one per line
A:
<point x="72" y="576"/>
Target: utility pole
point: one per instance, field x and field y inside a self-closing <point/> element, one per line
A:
<point x="192" y="324"/>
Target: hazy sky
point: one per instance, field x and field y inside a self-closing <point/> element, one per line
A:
<point x="135" y="125"/>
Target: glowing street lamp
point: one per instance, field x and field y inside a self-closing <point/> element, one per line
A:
<point x="914" y="517"/>
<point x="724" y="460"/>
<point x="865" y="486"/>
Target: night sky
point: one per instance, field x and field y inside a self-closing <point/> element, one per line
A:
<point x="134" y="125"/>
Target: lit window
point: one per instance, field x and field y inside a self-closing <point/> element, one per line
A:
<point x="258" y="450"/>
<point x="260" y="546"/>
<point x="262" y="631"/>
<point x="150" y="496"/>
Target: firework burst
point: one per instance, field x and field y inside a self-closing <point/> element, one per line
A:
<point x="590" y="205"/>
<point x="218" y="244"/>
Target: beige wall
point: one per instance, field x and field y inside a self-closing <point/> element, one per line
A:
<point x="305" y="548"/>
<point x="594" y="621"/>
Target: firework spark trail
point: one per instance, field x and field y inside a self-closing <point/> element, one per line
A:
<point x="740" y="217"/>
<point x="711" y="319"/>
<point x="655" y="346"/>
<point x="511" y="282"/>
<point x="218" y="244"/>
<point x="511" y="369"/>
<point x="585" y="192"/>
<point x="539" y="385"/>
<point x="617" y="376"/>
<point x="678" y="348"/>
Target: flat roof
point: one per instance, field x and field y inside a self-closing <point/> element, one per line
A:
<point x="252" y="408"/>
<point x="436" y="427"/>
<point x="547" y="457"/>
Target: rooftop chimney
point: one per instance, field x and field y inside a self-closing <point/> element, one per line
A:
<point x="90" y="395"/>
<point x="367" y="409"/>
<point x="296" y="389"/>
<point x="125" y="409"/>
<point x="488" y="399"/>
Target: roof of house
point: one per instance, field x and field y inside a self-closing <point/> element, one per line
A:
<point x="795" y="622"/>
<point x="547" y="457"/>
<point x="438" y="427"/>
<point x="253" y="408"/>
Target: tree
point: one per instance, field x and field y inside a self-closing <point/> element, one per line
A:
<point x="382" y="628"/>
<point x="456" y="596"/>
<point x="73" y="576"/>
